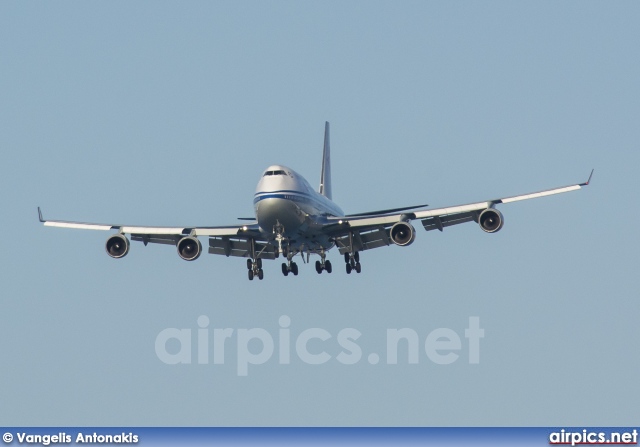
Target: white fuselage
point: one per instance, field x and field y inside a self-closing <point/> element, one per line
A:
<point x="283" y="197"/>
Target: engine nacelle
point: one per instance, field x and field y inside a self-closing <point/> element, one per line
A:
<point x="402" y="233"/>
<point x="189" y="248"/>
<point x="491" y="220"/>
<point x="117" y="246"/>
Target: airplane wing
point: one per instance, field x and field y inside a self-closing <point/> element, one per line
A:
<point x="233" y="230"/>
<point x="365" y="232"/>
<point x="234" y="240"/>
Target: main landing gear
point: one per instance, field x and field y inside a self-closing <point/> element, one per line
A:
<point x="323" y="264"/>
<point x="353" y="262"/>
<point x="255" y="269"/>
<point x="289" y="266"/>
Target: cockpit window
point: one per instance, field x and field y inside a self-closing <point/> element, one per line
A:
<point x="274" y="173"/>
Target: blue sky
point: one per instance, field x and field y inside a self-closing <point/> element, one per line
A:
<point x="166" y="113"/>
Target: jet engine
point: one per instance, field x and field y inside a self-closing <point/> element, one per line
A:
<point x="491" y="220"/>
<point x="117" y="246"/>
<point x="402" y="233"/>
<point x="189" y="248"/>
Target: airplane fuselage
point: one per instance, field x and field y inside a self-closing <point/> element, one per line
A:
<point x="284" y="200"/>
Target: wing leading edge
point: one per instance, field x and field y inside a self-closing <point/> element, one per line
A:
<point x="365" y="232"/>
<point x="233" y="230"/>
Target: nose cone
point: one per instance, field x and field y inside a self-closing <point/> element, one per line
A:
<point x="276" y="178"/>
<point x="271" y="211"/>
<point x="276" y="196"/>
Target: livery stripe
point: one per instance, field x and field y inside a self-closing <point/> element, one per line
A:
<point x="294" y="196"/>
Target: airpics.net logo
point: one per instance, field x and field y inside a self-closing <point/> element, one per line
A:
<point x="258" y="346"/>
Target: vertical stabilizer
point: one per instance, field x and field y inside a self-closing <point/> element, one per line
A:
<point x="325" y="175"/>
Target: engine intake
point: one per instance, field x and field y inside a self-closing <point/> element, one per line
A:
<point x="402" y="233"/>
<point x="189" y="248"/>
<point x="117" y="246"/>
<point x="491" y="220"/>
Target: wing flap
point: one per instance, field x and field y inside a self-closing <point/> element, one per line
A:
<point x="441" y="222"/>
<point x="156" y="239"/>
<point x="238" y="247"/>
<point x="226" y="231"/>
<point x="364" y="240"/>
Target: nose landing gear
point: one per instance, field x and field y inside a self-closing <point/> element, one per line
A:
<point x="278" y="230"/>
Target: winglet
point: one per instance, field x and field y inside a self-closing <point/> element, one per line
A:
<point x="589" y="180"/>
<point x="40" y="215"/>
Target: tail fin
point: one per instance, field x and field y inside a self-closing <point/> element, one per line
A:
<point x="325" y="175"/>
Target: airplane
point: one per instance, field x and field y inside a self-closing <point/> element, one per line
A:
<point x="292" y="218"/>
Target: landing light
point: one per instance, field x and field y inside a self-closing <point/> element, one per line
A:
<point x="244" y="228"/>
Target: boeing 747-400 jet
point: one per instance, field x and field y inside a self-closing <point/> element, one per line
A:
<point x="292" y="218"/>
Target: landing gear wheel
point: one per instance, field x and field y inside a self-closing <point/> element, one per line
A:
<point x="285" y="269"/>
<point x="327" y="266"/>
<point x="259" y="263"/>
<point x="358" y="267"/>
<point x="348" y="269"/>
<point x="250" y="275"/>
<point x="294" y="268"/>
<point x="347" y="258"/>
<point x="318" y="267"/>
<point x="356" y="256"/>
<point x="260" y="274"/>
<point x="249" y="264"/>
